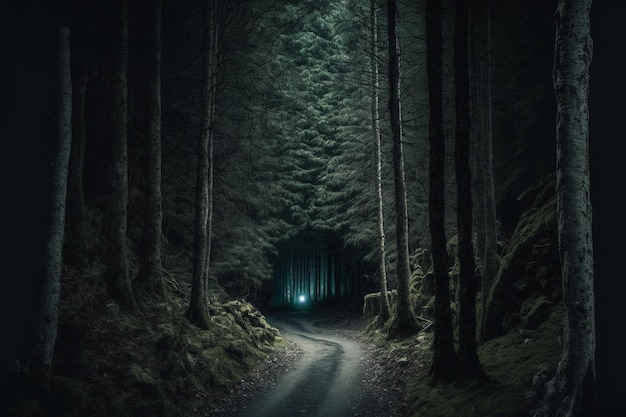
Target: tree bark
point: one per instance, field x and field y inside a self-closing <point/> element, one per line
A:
<point x="467" y="351"/>
<point x="483" y="153"/>
<point x="571" y="393"/>
<point x="48" y="315"/>
<point x="118" y="279"/>
<point x="211" y="72"/>
<point x="76" y="227"/>
<point x="404" y="321"/>
<point x="150" y="278"/>
<point x="490" y="257"/>
<point x="198" y="312"/>
<point x="385" y="310"/>
<point x="444" y="363"/>
<point x="477" y="115"/>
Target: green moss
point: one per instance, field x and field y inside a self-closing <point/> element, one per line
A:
<point x="371" y="305"/>
<point x="140" y="375"/>
<point x="510" y="361"/>
<point x="140" y="364"/>
<point x="504" y="298"/>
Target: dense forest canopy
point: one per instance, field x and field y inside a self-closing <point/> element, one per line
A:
<point x="293" y="196"/>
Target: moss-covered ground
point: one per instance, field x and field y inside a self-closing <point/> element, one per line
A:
<point x="511" y="361"/>
<point x="114" y="363"/>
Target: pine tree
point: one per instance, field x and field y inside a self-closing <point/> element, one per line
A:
<point x="50" y="294"/>
<point x="485" y="219"/>
<point x="571" y="393"/>
<point x="198" y="312"/>
<point x="467" y="350"/>
<point x="404" y="321"/>
<point x="150" y="279"/>
<point x="385" y="310"/>
<point x="444" y="360"/>
<point x="76" y="227"/>
<point x="118" y="278"/>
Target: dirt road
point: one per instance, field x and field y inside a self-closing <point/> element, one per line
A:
<point x="327" y="381"/>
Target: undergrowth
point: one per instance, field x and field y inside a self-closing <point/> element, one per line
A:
<point x="113" y="363"/>
<point x="510" y="361"/>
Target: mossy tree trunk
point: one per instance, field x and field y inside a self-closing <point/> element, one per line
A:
<point x="385" y="310"/>
<point x="404" y="321"/>
<point x="571" y="393"/>
<point x="467" y="351"/>
<point x="50" y="293"/>
<point x="198" y="312"/>
<point x="444" y="363"/>
<point x="118" y="279"/>
<point x="150" y="279"/>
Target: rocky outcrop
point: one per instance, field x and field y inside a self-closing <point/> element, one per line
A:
<point x="528" y="280"/>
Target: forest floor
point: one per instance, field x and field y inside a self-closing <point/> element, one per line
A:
<point x="396" y="373"/>
<point x="114" y="364"/>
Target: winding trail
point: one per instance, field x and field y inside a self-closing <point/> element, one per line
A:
<point x="327" y="381"/>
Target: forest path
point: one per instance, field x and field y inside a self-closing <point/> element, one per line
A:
<point x="326" y="381"/>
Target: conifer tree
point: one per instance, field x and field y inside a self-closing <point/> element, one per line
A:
<point x="571" y="393"/>
<point x="50" y="293"/>
<point x="404" y="321"/>
<point x="150" y="279"/>
<point x="484" y="207"/>
<point x="198" y="312"/>
<point x="385" y="310"/>
<point x="118" y="278"/>
<point x="467" y="350"/>
<point x="444" y="364"/>
<point x="76" y="227"/>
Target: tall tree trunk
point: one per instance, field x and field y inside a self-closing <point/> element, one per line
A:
<point x="477" y="131"/>
<point x="48" y="315"/>
<point x="150" y="278"/>
<point x="490" y="255"/>
<point x="118" y="279"/>
<point x="198" y="312"/>
<point x="483" y="153"/>
<point x="571" y="393"/>
<point x="76" y="242"/>
<point x="385" y="309"/>
<point x="211" y="72"/>
<point x="444" y="357"/>
<point x="404" y="320"/>
<point x="467" y="353"/>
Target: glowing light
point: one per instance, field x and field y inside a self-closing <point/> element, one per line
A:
<point x="301" y="298"/>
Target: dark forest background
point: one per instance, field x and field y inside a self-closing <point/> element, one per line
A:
<point x="26" y="52"/>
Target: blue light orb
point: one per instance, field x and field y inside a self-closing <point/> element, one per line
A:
<point x="301" y="299"/>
